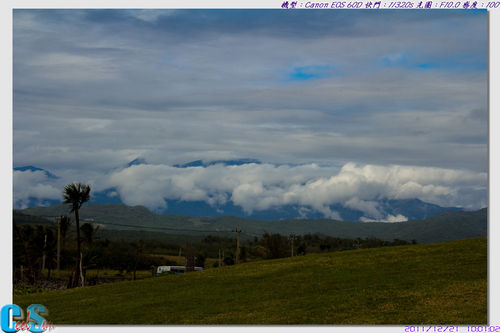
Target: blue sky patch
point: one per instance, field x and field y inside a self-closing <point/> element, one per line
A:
<point x="306" y="73"/>
<point x="454" y="63"/>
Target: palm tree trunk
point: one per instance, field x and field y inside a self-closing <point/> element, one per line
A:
<point x="82" y="279"/>
<point x="78" y="249"/>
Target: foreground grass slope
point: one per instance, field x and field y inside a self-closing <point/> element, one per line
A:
<point x="443" y="283"/>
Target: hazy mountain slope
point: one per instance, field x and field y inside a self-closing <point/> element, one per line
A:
<point x="442" y="227"/>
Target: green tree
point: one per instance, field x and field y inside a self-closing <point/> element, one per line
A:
<point x="24" y="254"/>
<point x="276" y="245"/>
<point x="89" y="233"/>
<point x="199" y="260"/>
<point x="76" y="194"/>
<point x="138" y="250"/>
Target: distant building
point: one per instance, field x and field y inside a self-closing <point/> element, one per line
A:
<point x="174" y="269"/>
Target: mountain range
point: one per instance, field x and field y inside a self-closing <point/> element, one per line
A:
<point x="32" y="168"/>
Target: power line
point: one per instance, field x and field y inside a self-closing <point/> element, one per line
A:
<point x="160" y="227"/>
<point x="250" y="233"/>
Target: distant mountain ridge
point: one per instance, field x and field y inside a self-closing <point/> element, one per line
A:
<point x="201" y="163"/>
<point x="445" y="226"/>
<point x="33" y="169"/>
<point x="136" y="161"/>
<point x="410" y="208"/>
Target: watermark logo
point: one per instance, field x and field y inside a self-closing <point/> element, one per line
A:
<point x="12" y="319"/>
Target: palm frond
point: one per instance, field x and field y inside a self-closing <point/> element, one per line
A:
<point x="76" y="194"/>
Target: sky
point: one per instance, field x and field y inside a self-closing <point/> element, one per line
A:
<point x="339" y="106"/>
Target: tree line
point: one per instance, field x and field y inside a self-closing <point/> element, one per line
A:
<point x="81" y="248"/>
<point x="35" y="250"/>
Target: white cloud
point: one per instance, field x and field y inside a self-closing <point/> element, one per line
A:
<point x="389" y="218"/>
<point x="257" y="187"/>
<point x="33" y="185"/>
<point x="367" y="207"/>
<point x="148" y="15"/>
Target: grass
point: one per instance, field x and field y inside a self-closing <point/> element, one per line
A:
<point x="433" y="284"/>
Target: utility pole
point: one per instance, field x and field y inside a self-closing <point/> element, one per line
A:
<point x="237" y="245"/>
<point x="179" y="259"/>
<point x="189" y="258"/>
<point x="58" y="245"/>
<point x="292" y="238"/>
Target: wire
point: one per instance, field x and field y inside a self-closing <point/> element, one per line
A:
<point x="161" y="228"/>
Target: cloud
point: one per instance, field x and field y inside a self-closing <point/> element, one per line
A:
<point x="368" y="207"/>
<point x="389" y="219"/>
<point x="33" y="185"/>
<point x="256" y="187"/>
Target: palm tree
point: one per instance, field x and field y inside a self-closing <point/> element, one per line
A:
<point x="76" y="194"/>
<point x="88" y="236"/>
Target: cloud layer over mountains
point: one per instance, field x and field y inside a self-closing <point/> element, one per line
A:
<point x="257" y="187"/>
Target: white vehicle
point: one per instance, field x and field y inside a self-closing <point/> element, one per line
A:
<point x="174" y="269"/>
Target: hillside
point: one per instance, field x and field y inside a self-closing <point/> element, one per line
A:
<point x="436" y="284"/>
<point x="445" y="226"/>
<point x="21" y="218"/>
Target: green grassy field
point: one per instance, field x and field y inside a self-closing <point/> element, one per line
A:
<point x="444" y="283"/>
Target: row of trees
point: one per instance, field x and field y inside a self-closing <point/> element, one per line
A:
<point x="279" y="246"/>
<point x="35" y="251"/>
<point x="272" y="246"/>
<point x="38" y="245"/>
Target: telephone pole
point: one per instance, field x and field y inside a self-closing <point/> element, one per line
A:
<point x="179" y="259"/>
<point x="237" y="245"/>
<point x="292" y="238"/>
<point x="189" y="258"/>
